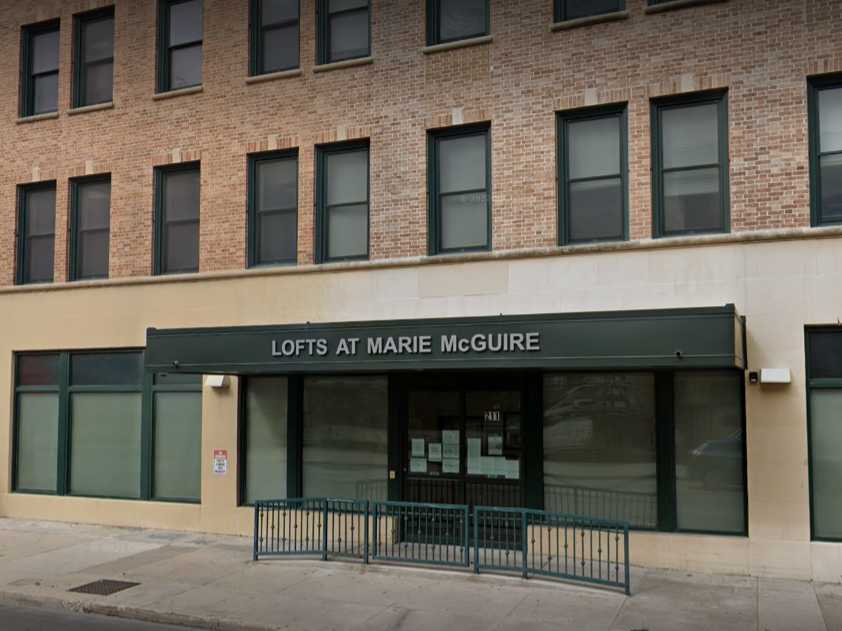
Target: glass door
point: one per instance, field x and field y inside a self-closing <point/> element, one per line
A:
<point x="464" y="446"/>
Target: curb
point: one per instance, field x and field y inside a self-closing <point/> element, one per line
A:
<point x="127" y="613"/>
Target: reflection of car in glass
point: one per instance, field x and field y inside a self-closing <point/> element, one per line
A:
<point x="718" y="461"/>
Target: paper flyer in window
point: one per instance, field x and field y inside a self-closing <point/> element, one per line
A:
<point x="495" y="445"/>
<point x="450" y="465"/>
<point x="418" y="465"/>
<point x="450" y="443"/>
<point x="435" y="452"/>
<point x="418" y="448"/>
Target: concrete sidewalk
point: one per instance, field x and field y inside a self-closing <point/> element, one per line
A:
<point x="209" y="581"/>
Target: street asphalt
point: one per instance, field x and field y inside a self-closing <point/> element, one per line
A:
<point x="14" y="618"/>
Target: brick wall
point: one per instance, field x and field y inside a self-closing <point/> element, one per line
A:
<point x="760" y="50"/>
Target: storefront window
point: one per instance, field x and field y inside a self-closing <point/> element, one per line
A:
<point x="709" y="461"/>
<point x="37" y="396"/>
<point x="345" y="437"/>
<point x="177" y="463"/>
<point x="599" y="446"/>
<point x="106" y="392"/>
<point x="824" y="372"/>
<point x="265" y="439"/>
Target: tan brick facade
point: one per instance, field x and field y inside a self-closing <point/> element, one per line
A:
<point x="760" y="50"/>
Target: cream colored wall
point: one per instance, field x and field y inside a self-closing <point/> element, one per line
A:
<point x="780" y="286"/>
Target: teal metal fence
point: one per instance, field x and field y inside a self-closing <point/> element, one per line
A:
<point x="518" y="540"/>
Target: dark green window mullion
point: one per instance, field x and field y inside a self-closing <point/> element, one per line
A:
<point x="295" y="436"/>
<point x="325" y="19"/>
<point x="63" y="478"/>
<point x="147" y="437"/>
<point x="533" y="453"/>
<point x="82" y="67"/>
<point x="665" y="449"/>
<point x="165" y="49"/>
<point x="258" y="39"/>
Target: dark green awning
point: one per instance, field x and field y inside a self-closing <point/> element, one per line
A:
<point x="669" y="338"/>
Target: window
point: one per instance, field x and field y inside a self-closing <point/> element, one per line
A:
<point x="90" y="218"/>
<point x="576" y="9"/>
<point x="593" y="169"/>
<point x="39" y="69"/>
<point x="690" y="165"/>
<point x="36" y="233"/>
<point x="824" y="417"/>
<point x="344" y="30"/>
<point x="342" y="202"/>
<point x="709" y="452"/>
<point x="274" y="35"/>
<point x="80" y="422"/>
<point x="273" y="208"/>
<point x="452" y="20"/>
<point x="826" y="150"/>
<point x="177" y="219"/>
<point x="460" y="185"/>
<point x="36" y="424"/>
<point x="179" y="44"/>
<point x="345" y="437"/>
<point x="599" y="446"/>
<point x="264" y="439"/>
<point x="94" y="58"/>
<point x="662" y="451"/>
<point x="177" y="437"/>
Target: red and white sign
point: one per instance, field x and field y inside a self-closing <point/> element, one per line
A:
<point x="220" y="461"/>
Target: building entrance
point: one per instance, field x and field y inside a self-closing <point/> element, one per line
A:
<point x="463" y="441"/>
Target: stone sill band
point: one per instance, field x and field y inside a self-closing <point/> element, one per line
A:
<point x="587" y="21"/>
<point x="678" y="4"/>
<point x="462" y="43"/>
<point x="160" y="96"/>
<point x="757" y="236"/>
<point x="348" y="63"/>
<point x="274" y="76"/>
<point x="90" y="108"/>
<point x="38" y="117"/>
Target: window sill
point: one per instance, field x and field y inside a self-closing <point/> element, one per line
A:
<point x="90" y="108"/>
<point x="160" y="96"/>
<point x="37" y="117"/>
<point x="678" y="4"/>
<point x="273" y="76"/>
<point x="462" y="43"/>
<point x="588" y="20"/>
<point x="347" y="63"/>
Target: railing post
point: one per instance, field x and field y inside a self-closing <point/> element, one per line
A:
<point x="476" y="540"/>
<point x="626" y="559"/>
<point x="524" y="544"/>
<point x="365" y="532"/>
<point x="324" y="530"/>
<point x="256" y="530"/>
<point x="467" y="538"/>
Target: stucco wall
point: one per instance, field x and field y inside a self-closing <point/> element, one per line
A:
<point x="780" y="286"/>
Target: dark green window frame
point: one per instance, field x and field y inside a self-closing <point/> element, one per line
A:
<point x="434" y="25"/>
<point x="154" y="384"/>
<point x="322" y="246"/>
<point x="74" y="268"/>
<point x="294" y="435"/>
<point x="564" y="181"/>
<point x="561" y="11"/>
<point x="666" y="453"/>
<point x="258" y="33"/>
<point x="323" y="18"/>
<point x="815" y="383"/>
<point x="23" y="273"/>
<point x="720" y="98"/>
<point x="64" y="388"/>
<point x="434" y="195"/>
<point x="164" y="79"/>
<point x="160" y="223"/>
<point x="27" y="74"/>
<point x="254" y="213"/>
<point x="815" y="86"/>
<point x="80" y="67"/>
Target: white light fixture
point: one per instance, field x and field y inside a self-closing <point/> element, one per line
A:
<point x="216" y="381"/>
<point x="775" y="375"/>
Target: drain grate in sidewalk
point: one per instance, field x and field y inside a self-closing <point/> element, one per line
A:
<point x="103" y="587"/>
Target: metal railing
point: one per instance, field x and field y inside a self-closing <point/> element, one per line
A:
<point x="526" y="541"/>
<point x="535" y="542"/>
<point x="640" y="509"/>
